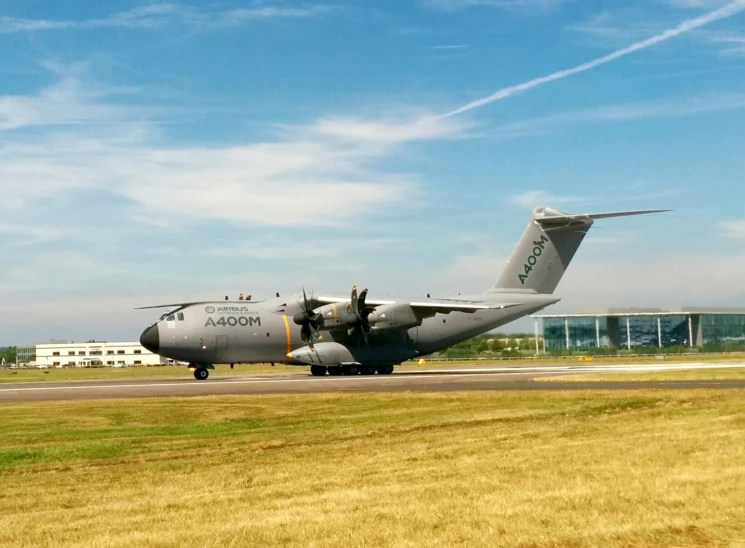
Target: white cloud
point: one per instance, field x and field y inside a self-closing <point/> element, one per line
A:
<point x="617" y="29"/>
<point x="65" y="102"/>
<point x="529" y="6"/>
<point x="158" y="16"/>
<point x="695" y="4"/>
<point x="451" y="46"/>
<point x="685" y="27"/>
<point x="642" y="110"/>
<point x="324" y="173"/>
<point x="606" y="29"/>
<point x="416" y="128"/>
<point x="733" y="229"/>
<point x="627" y="281"/>
<point x="535" y="198"/>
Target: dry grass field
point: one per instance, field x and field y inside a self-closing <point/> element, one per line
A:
<point x="538" y="469"/>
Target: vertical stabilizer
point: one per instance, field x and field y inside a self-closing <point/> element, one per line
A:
<point x="547" y="247"/>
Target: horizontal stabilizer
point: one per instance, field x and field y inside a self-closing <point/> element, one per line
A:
<point x="626" y="213"/>
<point x="548" y="216"/>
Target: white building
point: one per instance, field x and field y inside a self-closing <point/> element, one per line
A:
<point x="93" y="354"/>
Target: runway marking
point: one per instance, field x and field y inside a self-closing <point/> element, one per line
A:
<point x="429" y="374"/>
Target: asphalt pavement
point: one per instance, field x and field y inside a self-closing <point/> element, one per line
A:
<point x="518" y="378"/>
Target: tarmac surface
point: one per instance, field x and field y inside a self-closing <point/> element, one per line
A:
<point x="515" y="378"/>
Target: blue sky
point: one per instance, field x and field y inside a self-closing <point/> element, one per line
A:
<point x="160" y="152"/>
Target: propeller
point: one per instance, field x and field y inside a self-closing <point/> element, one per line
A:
<point x="361" y="313"/>
<point x="307" y="319"/>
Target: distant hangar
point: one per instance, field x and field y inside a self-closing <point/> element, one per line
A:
<point x="629" y="328"/>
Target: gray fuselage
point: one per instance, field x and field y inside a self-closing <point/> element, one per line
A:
<point x="264" y="331"/>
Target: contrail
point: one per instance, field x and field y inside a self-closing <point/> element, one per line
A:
<point x="685" y="26"/>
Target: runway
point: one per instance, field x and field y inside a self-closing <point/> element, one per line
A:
<point x="504" y="378"/>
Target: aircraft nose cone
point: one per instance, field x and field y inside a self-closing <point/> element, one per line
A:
<point x="150" y="339"/>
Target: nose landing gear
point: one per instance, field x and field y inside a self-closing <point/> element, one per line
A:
<point x="201" y="372"/>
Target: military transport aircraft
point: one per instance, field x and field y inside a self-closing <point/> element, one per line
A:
<point x="347" y="335"/>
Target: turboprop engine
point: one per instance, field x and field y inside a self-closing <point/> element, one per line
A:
<point x="350" y="314"/>
<point x="393" y="316"/>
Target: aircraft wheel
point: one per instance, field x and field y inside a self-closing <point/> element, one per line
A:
<point x="201" y="374"/>
<point x="335" y="371"/>
<point x="318" y="370"/>
<point x="385" y="369"/>
<point x="350" y="370"/>
<point x="368" y="370"/>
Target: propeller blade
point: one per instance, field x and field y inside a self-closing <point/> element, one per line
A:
<point x="306" y="335"/>
<point x="361" y="301"/>
<point x="353" y="300"/>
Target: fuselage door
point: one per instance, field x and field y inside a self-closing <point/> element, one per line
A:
<point x="221" y="349"/>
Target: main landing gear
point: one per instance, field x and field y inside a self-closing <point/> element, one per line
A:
<point x="346" y="370"/>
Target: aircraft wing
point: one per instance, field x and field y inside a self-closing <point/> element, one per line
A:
<point x="443" y="306"/>
<point x="177" y="305"/>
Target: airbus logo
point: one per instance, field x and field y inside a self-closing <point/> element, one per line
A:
<point x="209" y="309"/>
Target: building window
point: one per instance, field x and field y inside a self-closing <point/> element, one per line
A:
<point x="110" y="363"/>
<point x="81" y="353"/>
<point x="70" y="363"/>
<point x="138" y="362"/>
<point x="55" y="353"/>
<point x="138" y="351"/>
<point x="71" y="353"/>
<point x="95" y="352"/>
<point x="109" y="352"/>
<point x="120" y="351"/>
<point x="55" y="364"/>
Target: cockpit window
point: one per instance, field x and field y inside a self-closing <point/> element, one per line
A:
<point x="170" y="318"/>
<point x="180" y="316"/>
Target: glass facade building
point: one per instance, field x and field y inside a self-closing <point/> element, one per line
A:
<point x="723" y="328"/>
<point x="643" y="328"/>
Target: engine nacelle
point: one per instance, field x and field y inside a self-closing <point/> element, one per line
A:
<point x="393" y="316"/>
<point x="324" y="353"/>
<point x="333" y="316"/>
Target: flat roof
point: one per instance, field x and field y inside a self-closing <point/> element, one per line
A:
<point x="643" y="311"/>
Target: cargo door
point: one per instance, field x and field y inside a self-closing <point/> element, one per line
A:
<point x="221" y="349"/>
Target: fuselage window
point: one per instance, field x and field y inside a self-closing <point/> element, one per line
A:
<point x="180" y="316"/>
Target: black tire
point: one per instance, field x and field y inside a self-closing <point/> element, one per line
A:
<point x="201" y="374"/>
<point x="335" y="371"/>
<point x="318" y="370"/>
<point x="350" y="370"/>
<point x="368" y="370"/>
<point x="385" y="369"/>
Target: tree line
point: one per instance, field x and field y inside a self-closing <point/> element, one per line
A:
<point x="8" y="354"/>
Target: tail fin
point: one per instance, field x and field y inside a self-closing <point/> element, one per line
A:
<point x="547" y="247"/>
